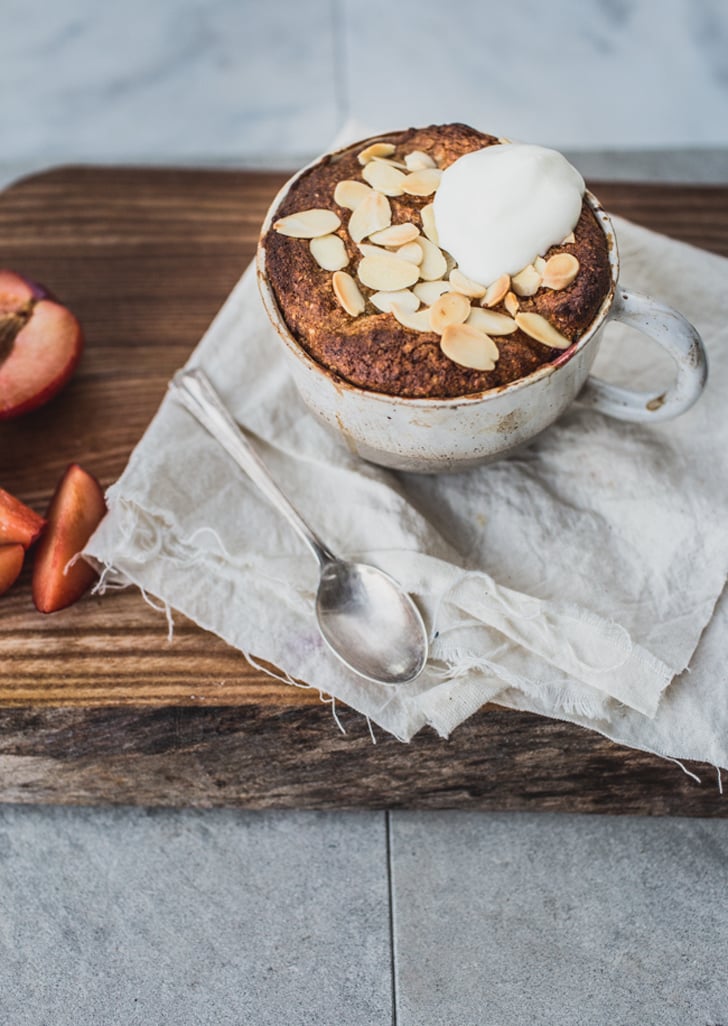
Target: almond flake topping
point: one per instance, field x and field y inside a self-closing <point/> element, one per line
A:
<point x="372" y="214"/>
<point x="560" y="271"/>
<point x="392" y="163"/>
<point x="377" y="149"/>
<point x="527" y="282"/>
<point x="469" y="347"/>
<point x="542" y="330"/>
<point x="385" y="272"/>
<point x="329" y="252"/>
<point x="366" y="249"/>
<point x="349" y="193"/>
<point x="396" y="235"/>
<point x="417" y="160"/>
<point x="412" y="252"/>
<point x="430" y="291"/>
<point x="308" y="224"/>
<point x="466" y="285"/>
<point x="491" y="322"/>
<point x="569" y="240"/>
<point x="434" y="264"/>
<point x="540" y="264"/>
<point x="428" y="223"/>
<point x="403" y="298"/>
<point x="347" y="292"/>
<point x="384" y="178"/>
<point x="422" y="183"/>
<point x="419" y="321"/>
<point x="511" y="303"/>
<point x="450" y="308"/>
<point x="496" y="292"/>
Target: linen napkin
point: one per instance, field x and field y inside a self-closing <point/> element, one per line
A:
<point x="573" y="579"/>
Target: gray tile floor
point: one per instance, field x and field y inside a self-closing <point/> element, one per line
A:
<point x="502" y="920"/>
<point x="138" y="917"/>
<point x="210" y="918"/>
<point x="127" y="916"/>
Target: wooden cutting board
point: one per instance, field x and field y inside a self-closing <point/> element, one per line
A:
<point x="95" y="704"/>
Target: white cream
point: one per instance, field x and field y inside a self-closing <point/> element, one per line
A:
<point x="498" y="208"/>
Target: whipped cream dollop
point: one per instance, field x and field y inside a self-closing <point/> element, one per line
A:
<point x="498" y="208"/>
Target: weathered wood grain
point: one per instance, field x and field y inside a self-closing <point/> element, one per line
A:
<point x="273" y="757"/>
<point x="95" y="705"/>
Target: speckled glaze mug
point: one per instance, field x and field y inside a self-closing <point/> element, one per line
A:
<point x="434" y="435"/>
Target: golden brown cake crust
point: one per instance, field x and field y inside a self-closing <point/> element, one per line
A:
<point x="374" y="351"/>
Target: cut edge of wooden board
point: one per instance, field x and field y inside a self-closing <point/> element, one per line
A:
<point x="265" y="759"/>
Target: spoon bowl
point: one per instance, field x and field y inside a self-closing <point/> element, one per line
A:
<point x="365" y="617"/>
<point x="370" y="623"/>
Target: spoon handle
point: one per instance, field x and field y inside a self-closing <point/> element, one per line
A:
<point x="196" y="393"/>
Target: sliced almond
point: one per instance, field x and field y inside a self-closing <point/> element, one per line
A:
<point x="366" y="249"/>
<point x="430" y="291"/>
<point x="527" y="282"/>
<point x="569" y="240"/>
<point x="350" y="193"/>
<point x="542" y="330"/>
<point x="540" y="264"/>
<point x="434" y="264"/>
<point x="403" y="298"/>
<point x="392" y="163"/>
<point x="412" y="252"/>
<point x="496" y="292"/>
<point x="418" y="160"/>
<point x="347" y="292"/>
<point x="384" y="178"/>
<point x="308" y="224"/>
<point x="329" y="252"/>
<point x="377" y="149"/>
<point x="469" y="347"/>
<point x="491" y="322"/>
<point x="422" y="183"/>
<point x="396" y="235"/>
<point x="371" y="215"/>
<point x="466" y="286"/>
<point x="511" y="303"/>
<point x="560" y="271"/>
<point x="419" y="321"/>
<point x="385" y="272"/>
<point x="428" y="223"/>
<point x="450" y="308"/>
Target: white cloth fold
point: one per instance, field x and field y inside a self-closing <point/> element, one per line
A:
<point x="574" y="578"/>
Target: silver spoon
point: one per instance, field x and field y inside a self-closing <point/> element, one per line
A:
<point x="365" y="617"/>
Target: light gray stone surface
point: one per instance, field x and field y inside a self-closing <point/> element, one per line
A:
<point x="554" y="920"/>
<point x="704" y="165"/>
<point x="601" y="73"/>
<point x="208" y="918"/>
<point x="220" y="81"/>
<point x="181" y="79"/>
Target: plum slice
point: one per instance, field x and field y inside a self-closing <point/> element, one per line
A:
<point x="11" y="563"/>
<point x="18" y="523"/>
<point x="75" y="511"/>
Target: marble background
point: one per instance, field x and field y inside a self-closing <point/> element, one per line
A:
<point x="235" y="81"/>
<point x="134" y="916"/>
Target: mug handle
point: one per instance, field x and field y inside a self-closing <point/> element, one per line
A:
<point x="678" y="337"/>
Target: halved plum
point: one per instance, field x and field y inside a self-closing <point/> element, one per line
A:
<point x="40" y="345"/>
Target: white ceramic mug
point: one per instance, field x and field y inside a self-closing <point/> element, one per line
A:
<point x="434" y="435"/>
